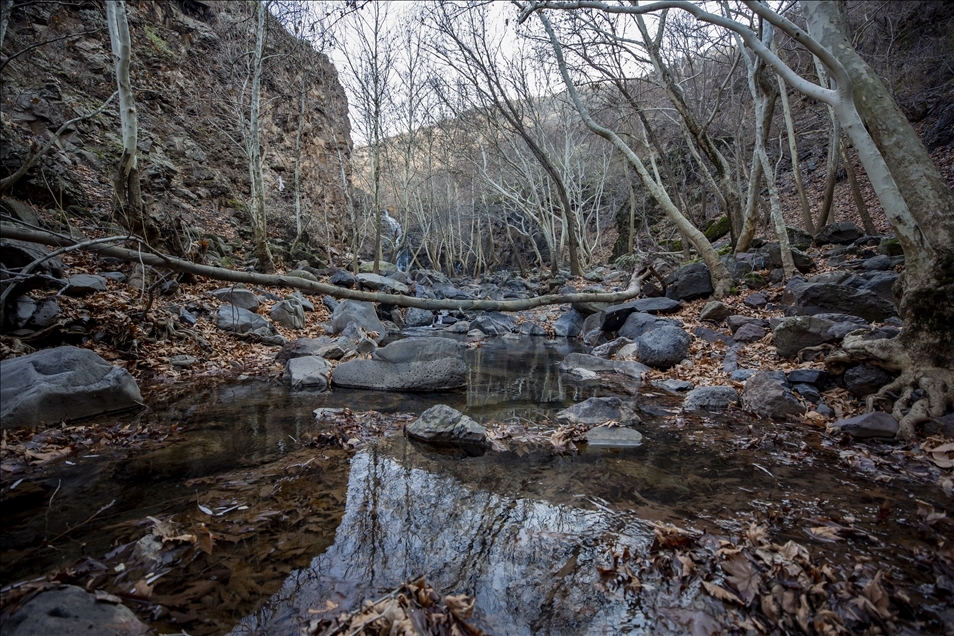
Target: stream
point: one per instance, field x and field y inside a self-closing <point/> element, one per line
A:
<point x="526" y="531"/>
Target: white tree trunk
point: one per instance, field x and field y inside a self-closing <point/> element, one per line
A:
<point x="254" y="149"/>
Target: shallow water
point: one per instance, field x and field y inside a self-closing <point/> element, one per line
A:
<point x="522" y="530"/>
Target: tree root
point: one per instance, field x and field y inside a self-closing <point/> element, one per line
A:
<point x="925" y="392"/>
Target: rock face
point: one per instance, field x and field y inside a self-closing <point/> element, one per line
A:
<point x="663" y="347"/>
<point x="62" y="383"/>
<point x="711" y="398"/>
<point x="766" y="395"/>
<point x="360" y="313"/>
<point x="71" y="611"/>
<point x="412" y="364"/>
<point x="443" y="425"/>
<point x="596" y="411"/>
<point x="308" y="372"/>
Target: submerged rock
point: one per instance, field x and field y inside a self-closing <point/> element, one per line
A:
<point x="596" y="411"/>
<point x="70" y="611"/>
<point x="443" y="425"/>
<point x="613" y="437"/>
<point x="64" y="383"/>
<point x="412" y="364"/>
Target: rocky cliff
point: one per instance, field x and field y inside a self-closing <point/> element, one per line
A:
<point x="190" y="74"/>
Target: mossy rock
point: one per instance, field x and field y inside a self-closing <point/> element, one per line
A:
<point x="754" y="281"/>
<point x="890" y="247"/>
<point x="672" y="246"/>
<point x="718" y="228"/>
<point x="366" y="267"/>
<point x="799" y="238"/>
<point x="724" y="250"/>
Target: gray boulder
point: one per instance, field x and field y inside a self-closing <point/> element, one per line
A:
<point x="867" y="425"/>
<point x="51" y="385"/>
<point x="749" y="332"/>
<point x="529" y="328"/>
<point x="84" y="285"/>
<point x="615" y="316"/>
<point x="711" y="398"/>
<point x="17" y="254"/>
<point x="325" y="347"/>
<point x="773" y="257"/>
<point x="797" y="332"/>
<point x="417" y="317"/>
<point x="309" y="372"/>
<point x="808" y="299"/>
<point x="841" y="233"/>
<point x="799" y="238"/>
<point x="343" y="278"/>
<point x="609" y="349"/>
<point x="882" y="284"/>
<point x="289" y="313"/>
<point x="443" y="425"/>
<point x="639" y="323"/>
<point x="843" y="324"/>
<point x="613" y="437"/>
<point x="598" y="410"/>
<point x="494" y="323"/>
<point x="71" y="611"/>
<point x="242" y="321"/>
<point x="663" y="347"/>
<point x="594" y="364"/>
<point x="766" y="395"/>
<point x="569" y="325"/>
<point x="360" y="313"/>
<point x="866" y="379"/>
<point x="237" y="297"/>
<point x="376" y="282"/>
<point x="715" y="311"/>
<point x="412" y="364"/>
<point x="306" y="304"/>
<point x="689" y="282"/>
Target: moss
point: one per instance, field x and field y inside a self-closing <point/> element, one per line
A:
<point x="724" y="251"/>
<point x="158" y="43"/>
<point x="754" y="281"/>
<point x="718" y="228"/>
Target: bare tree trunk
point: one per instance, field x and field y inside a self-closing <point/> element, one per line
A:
<point x="254" y="150"/>
<point x="807" y="222"/>
<point x="826" y="214"/>
<point x="866" y="221"/>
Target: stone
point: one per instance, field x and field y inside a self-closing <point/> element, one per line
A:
<point x="609" y="349"/>
<point x="674" y="386"/>
<point x="596" y="411"/>
<point x="797" y="332"/>
<point x="755" y="301"/>
<point x="689" y="282"/>
<point x="359" y="312"/>
<point x="183" y="361"/>
<point x="711" y="398"/>
<point x="808" y="392"/>
<point x="866" y="379"/>
<point x="22" y="312"/>
<point x="712" y="336"/>
<point x="573" y="361"/>
<point x="799" y="238"/>
<point x="384" y="267"/>
<point x="867" y="425"/>
<point x="663" y="347"/>
<point x="325" y="347"/>
<point x="569" y="325"/>
<point x="843" y="324"/>
<point x="639" y="323"/>
<point x="715" y="311"/>
<point x="741" y="375"/>
<point x="304" y="274"/>
<point x="446" y="426"/>
<point x="238" y="297"/>
<point x="494" y="323"/>
<point x="890" y="246"/>
<point x="52" y="385"/>
<point x="376" y="282"/>
<point x="119" y="277"/>
<point x="531" y="329"/>
<point x="342" y="278"/>
<point x="767" y="396"/>
<point x="815" y="377"/>
<point x="737" y="268"/>
<point x="330" y="303"/>
<point x="232" y="318"/>
<point x="18" y="254"/>
<point x="68" y="610"/>
<point x="877" y="263"/>
<point x="411" y="364"/>
<point x="882" y="284"/>
<point x="307" y="372"/>
<point x="306" y="304"/>
<point x="735" y="321"/>
<point x="289" y="313"/>
<point x="84" y="285"/>
<point x="417" y="317"/>
<point x="613" y="437"/>
<point x="842" y="233"/>
<point x="773" y="258"/>
<point x="750" y="332"/>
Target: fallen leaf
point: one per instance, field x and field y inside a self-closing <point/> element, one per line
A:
<point x="206" y="540"/>
<point x="721" y="593"/>
<point x="742" y="577"/>
<point x="461" y="606"/>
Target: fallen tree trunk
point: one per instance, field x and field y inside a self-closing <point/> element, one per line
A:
<point x="220" y="273"/>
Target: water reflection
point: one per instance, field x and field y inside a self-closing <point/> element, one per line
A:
<point x="529" y="562"/>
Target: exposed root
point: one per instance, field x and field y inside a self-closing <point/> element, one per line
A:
<point x="924" y="392"/>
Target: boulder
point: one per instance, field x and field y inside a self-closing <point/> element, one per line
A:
<point x="71" y="611"/>
<point x="494" y="323"/>
<point x="598" y="410"/>
<point x="663" y="347"/>
<point x="715" y="311"/>
<point x="412" y="364"/>
<point x="376" y="282"/>
<point x="867" y="425"/>
<point x="289" y="313"/>
<point x="343" y="278"/>
<point x="574" y="361"/>
<point x="841" y="233"/>
<point x="674" y="386"/>
<point x="797" y="332"/>
<point x="303" y="274"/>
<point x="417" y="317"/>
<point x="689" y="282"/>
<point x="815" y="377"/>
<point x="613" y="437"/>
<point x="51" y="385"/>
<point x="843" y="324"/>
<point x="529" y="328"/>
<point x="711" y="398"/>
<point x="238" y="297"/>
<point x="84" y="285"/>
<point x="773" y="258"/>
<point x="808" y="299"/>
<point x="18" y="254"/>
<point x="712" y="336"/>
<point x="325" y="347"/>
<point x="749" y="332"/>
<point x="308" y="372"/>
<point x="866" y="379"/>
<point x="360" y="313"/>
<point x="569" y="325"/>
<point x="242" y="321"/>
<point x="639" y="323"/>
<point x="799" y="238"/>
<point x="609" y="349"/>
<point x="446" y="426"/>
<point x="882" y="284"/>
<point x="615" y="316"/>
<point x="766" y="395"/>
<point x="306" y="304"/>
<point x="735" y="321"/>
<point x="738" y="268"/>
<point x="755" y="301"/>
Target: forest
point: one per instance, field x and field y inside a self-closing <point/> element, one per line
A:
<point x="646" y="303"/>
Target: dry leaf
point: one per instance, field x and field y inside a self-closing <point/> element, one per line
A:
<point x="721" y="593"/>
<point x="742" y="576"/>
<point x="206" y="540"/>
<point x="462" y="606"/>
<point x="825" y="533"/>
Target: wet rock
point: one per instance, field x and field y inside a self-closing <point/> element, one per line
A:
<point x="674" y="386"/>
<point x="531" y="329"/>
<point x="289" y="313"/>
<point x="711" y="398"/>
<point x="595" y="364"/>
<point x="443" y="425"/>
<point x="417" y="317"/>
<point x="715" y="311"/>
<point x="613" y="437"/>
<point x="689" y="282"/>
<point x="639" y="323"/>
<point x="598" y="410"/>
<point x="867" y="425"/>
<point x="360" y="313"/>
<point x="376" y="282"/>
<point x="842" y="233"/>
<point x="308" y="372"/>
<point x="51" y="385"/>
<point x="411" y="364"/>
<point x="663" y="347"/>
<point x="569" y="325"/>
<point x="70" y="611"/>
<point x="767" y="396"/>
<point x="866" y="379"/>
<point x="84" y="285"/>
<point x="494" y="323"/>
<point x="238" y="297"/>
<point x="342" y="278"/>
<point x="750" y="332"/>
<point x="609" y="349"/>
